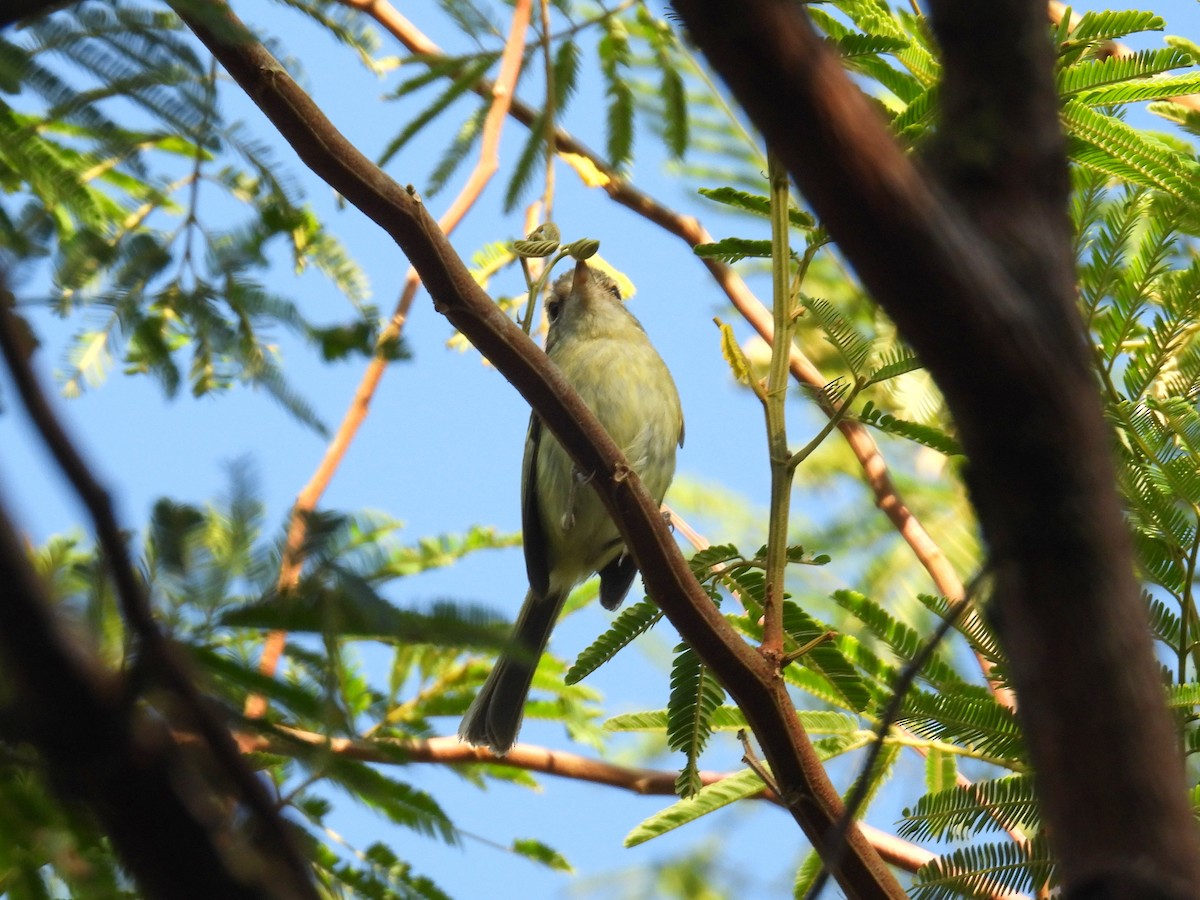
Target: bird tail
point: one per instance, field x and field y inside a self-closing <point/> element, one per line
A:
<point x="494" y="718"/>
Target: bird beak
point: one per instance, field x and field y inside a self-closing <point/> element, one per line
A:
<point x="580" y="279"/>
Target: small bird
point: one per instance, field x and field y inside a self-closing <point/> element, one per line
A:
<point x="604" y="353"/>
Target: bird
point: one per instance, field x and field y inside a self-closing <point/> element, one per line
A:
<point x="604" y="353"/>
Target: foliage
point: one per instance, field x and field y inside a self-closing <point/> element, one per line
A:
<point x="153" y="222"/>
<point x="136" y="219"/>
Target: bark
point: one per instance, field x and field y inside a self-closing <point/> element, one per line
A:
<point x="970" y="255"/>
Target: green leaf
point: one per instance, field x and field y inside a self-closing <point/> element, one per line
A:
<point x="941" y="770"/>
<point x="247" y="680"/>
<point x="953" y="812"/>
<point x="1183" y="696"/>
<point x="632" y="622"/>
<point x="851" y="45"/>
<point x="906" y="642"/>
<point x="439" y="551"/>
<point x="1096" y="27"/>
<point x="974" y="628"/>
<point x="464" y="79"/>
<point x="757" y="204"/>
<point x="983" y="869"/>
<point x="702" y="561"/>
<point x="541" y="853"/>
<point x="733" y="250"/>
<point x="970" y="717"/>
<point x="854" y="347"/>
<point x="1114" y="70"/>
<point x="526" y="164"/>
<point x="1153" y="89"/>
<point x="352" y="609"/>
<point x="464" y="141"/>
<point x="400" y="802"/>
<point x="613" y="50"/>
<point x="566" y="74"/>
<point x="900" y="361"/>
<point x="174" y="530"/>
<point x="730" y="718"/>
<point x="1110" y="146"/>
<point x="927" y="435"/>
<point x="806" y="875"/>
<point x="675" y="112"/>
<point x="708" y="798"/>
<point x="825" y="659"/>
<point x="695" y="695"/>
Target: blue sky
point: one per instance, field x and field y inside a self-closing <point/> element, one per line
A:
<point x="441" y="451"/>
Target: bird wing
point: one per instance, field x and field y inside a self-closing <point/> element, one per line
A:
<point x="537" y="567"/>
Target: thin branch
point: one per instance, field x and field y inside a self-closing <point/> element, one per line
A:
<point x="862" y="785"/>
<point x="533" y="758"/>
<point x="306" y="501"/>
<point x="753" y="685"/>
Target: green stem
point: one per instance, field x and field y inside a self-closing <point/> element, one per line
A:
<point x="775" y="408"/>
<point x="534" y="286"/>
<point x="835" y="417"/>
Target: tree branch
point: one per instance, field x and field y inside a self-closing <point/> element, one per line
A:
<point x="310" y="494"/>
<point x="763" y="696"/>
<point x="983" y="289"/>
<point x="532" y="758"/>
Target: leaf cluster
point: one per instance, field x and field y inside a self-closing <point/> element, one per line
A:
<point x="135" y="214"/>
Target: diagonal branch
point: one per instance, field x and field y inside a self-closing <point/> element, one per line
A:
<point x="310" y="494"/>
<point x="982" y="287"/>
<point x="809" y="795"/>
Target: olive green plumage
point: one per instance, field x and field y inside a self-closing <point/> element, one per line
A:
<point x="604" y="353"/>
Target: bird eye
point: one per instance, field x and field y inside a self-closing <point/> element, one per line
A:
<point x="553" y="308"/>
<point x="615" y="290"/>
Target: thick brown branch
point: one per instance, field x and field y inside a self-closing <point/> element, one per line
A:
<point x="758" y="691"/>
<point x="983" y="290"/>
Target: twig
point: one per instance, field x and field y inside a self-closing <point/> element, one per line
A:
<point x="863" y="784"/>
<point x="306" y="501"/>
<point x="750" y="758"/>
